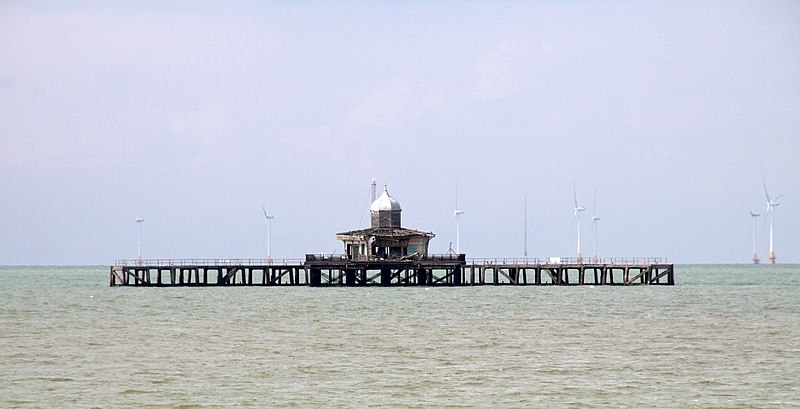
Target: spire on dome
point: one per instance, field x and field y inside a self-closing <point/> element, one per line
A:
<point x="385" y="203"/>
<point x="385" y="210"/>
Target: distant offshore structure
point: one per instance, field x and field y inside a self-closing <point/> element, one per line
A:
<point x="769" y="214"/>
<point x="755" y="215"/>
<point x="139" y="222"/>
<point x="387" y="254"/>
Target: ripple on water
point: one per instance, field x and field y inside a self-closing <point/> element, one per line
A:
<point x="702" y="343"/>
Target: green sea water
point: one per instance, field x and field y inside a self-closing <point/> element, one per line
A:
<point x="723" y="336"/>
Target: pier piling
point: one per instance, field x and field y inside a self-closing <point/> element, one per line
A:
<point x="443" y="270"/>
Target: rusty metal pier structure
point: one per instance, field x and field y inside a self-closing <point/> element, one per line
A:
<point x="431" y="270"/>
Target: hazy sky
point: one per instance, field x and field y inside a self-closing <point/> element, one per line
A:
<point x="194" y="116"/>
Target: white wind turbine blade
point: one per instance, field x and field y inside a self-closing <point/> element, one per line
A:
<point x="574" y="196"/>
<point x="766" y="215"/>
<point x="764" y="182"/>
<point x="576" y="209"/>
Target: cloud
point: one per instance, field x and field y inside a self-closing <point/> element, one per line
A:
<point x="393" y="103"/>
<point x="7" y="82"/>
<point x="498" y="72"/>
<point x="207" y="129"/>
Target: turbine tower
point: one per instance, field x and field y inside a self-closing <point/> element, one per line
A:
<point x="577" y="215"/>
<point x="268" y="220"/>
<point x="457" y="215"/>
<point x="595" y="219"/>
<point x="525" y="243"/>
<point x="755" y="215"/>
<point x="139" y="221"/>
<point x="771" y="204"/>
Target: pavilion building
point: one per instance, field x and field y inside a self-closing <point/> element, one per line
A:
<point x="385" y="239"/>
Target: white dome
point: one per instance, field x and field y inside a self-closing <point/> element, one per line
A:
<point x="385" y="203"/>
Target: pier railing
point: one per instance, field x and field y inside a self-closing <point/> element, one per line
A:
<point x="181" y="262"/>
<point x="568" y="260"/>
<point x="343" y="258"/>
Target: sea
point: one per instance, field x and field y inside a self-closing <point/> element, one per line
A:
<point x="725" y="336"/>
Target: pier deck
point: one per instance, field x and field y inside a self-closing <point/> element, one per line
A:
<point x="440" y="270"/>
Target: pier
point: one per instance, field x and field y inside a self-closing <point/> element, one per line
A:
<point x="432" y="270"/>
<point x="387" y="254"/>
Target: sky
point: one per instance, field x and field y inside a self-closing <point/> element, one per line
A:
<point x="667" y="117"/>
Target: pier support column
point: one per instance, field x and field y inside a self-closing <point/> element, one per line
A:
<point x="386" y="276"/>
<point x="316" y="277"/>
<point x="422" y="276"/>
<point x="350" y="277"/>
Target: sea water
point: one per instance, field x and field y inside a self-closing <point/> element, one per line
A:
<point x="723" y="336"/>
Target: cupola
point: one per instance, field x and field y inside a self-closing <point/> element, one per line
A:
<point x="385" y="210"/>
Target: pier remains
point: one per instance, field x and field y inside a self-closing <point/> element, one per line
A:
<point x="386" y="254"/>
<point x="442" y="270"/>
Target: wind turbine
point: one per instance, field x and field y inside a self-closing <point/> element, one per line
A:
<point x="771" y="204"/>
<point x="595" y="219"/>
<point x="457" y="215"/>
<point x="525" y="243"/>
<point x="577" y="215"/>
<point x="268" y="220"/>
<point x="755" y="215"/>
<point x="139" y="221"/>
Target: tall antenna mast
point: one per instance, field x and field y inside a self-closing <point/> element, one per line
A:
<point x="595" y="219"/>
